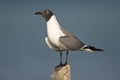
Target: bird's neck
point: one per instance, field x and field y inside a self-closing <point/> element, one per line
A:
<point x="53" y="23"/>
<point x="54" y="30"/>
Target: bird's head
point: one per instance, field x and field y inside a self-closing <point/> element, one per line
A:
<point x="45" y="13"/>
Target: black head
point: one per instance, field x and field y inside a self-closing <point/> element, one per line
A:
<point x="45" y="13"/>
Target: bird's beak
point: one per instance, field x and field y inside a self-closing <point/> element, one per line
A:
<point x="38" y="13"/>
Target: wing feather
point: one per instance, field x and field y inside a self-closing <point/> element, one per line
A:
<point x="71" y="42"/>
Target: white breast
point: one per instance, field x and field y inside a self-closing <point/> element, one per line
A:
<point x="54" y="31"/>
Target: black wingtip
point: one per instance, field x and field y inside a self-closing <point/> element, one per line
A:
<point x="92" y="48"/>
<point x="95" y="49"/>
<point x="98" y="49"/>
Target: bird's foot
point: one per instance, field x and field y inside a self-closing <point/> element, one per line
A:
<point x="65" y="63"/>
<point x="58" y="67"/>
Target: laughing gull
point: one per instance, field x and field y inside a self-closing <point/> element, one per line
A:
<point x="59" y="39"/>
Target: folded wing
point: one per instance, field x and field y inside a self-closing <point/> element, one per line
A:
<point x="71" y="42"/>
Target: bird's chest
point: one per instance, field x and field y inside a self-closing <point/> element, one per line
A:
<point x="53" y="30"/>
<point x="54" y="34"/>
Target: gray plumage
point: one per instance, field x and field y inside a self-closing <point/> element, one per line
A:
<point x="71" y="41"/>
<point x="60" y="39"/>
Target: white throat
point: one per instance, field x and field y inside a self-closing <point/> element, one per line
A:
<point x="53" y="30"/>
<point x="53" y="22"/>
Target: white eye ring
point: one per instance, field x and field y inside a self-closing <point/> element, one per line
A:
<point x="47" y="11"/>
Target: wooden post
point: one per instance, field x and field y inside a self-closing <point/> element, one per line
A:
<point x="61" y="73"/>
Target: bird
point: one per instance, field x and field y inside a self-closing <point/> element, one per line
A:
<point x="59" y="39"/>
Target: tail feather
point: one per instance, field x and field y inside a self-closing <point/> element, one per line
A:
<point x="91" y="48"/>
<point x="95" y="49"/>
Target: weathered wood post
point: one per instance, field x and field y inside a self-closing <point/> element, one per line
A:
<point x="61" y="73"/>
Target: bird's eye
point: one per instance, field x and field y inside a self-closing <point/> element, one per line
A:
<point x="46" y="11"/>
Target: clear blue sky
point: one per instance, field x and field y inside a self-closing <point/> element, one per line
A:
<point x="25" y="56"/>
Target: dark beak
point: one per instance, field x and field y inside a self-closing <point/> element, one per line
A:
<point x="38" y="13"/>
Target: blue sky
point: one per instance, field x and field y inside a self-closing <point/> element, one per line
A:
<point x="25" y="56"/>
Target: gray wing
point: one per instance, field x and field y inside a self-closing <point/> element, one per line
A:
<point x="70" y="41"/>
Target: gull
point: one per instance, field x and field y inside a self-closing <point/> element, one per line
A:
<point x="60" y="39"/>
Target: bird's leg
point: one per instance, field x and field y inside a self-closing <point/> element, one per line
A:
<point x="60" y="58"/>
<point x="66" y="57"/>
<point x="60" y="65"/>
